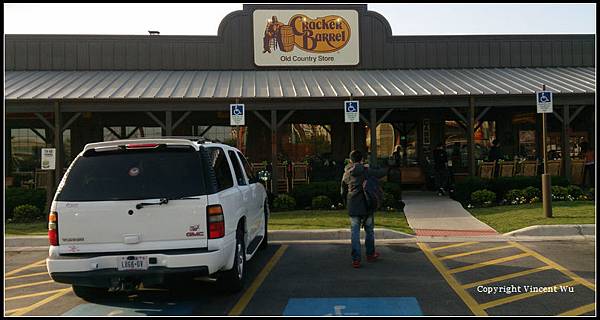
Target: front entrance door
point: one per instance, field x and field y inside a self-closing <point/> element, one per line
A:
<point x="406" y="137"/>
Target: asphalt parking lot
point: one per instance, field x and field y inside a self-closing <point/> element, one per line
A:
<point x="464" y="278"/>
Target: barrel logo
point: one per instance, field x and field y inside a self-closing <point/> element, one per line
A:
<point x="319" y="35"/>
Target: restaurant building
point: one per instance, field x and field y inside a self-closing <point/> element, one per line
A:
<point x="293" y="66"/>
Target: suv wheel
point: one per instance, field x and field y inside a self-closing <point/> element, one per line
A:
<point x="233" y="280"/>
<point x="90" y="293"/>
<point x="265" y="242"/>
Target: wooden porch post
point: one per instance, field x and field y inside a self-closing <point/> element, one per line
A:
<point x="470" y="133"/>
<point x="373" y="125"/>
<point x="274" y="178"/>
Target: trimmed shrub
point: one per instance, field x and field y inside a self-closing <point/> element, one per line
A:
<point x="389" y="201"/>
<point x="27" y="213"/>
<point x="321" y="202"/>
<point x="466" y="187"/>
<point x="303" y="194"/>
<point x="530" y="193"/>
<point x="19" y="196"/>
<point x="575" y="192"/>
<point x="483" y="197"/>
<point x="284" y="202"/>
<point x="560" y="193"/>
<point x="516" y="196"/>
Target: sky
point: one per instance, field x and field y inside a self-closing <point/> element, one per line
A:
<point x="204" y="19"/>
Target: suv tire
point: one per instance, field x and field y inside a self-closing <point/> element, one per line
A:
<point x="265" y="242"/>
<point x="233" y="280"/>
<point x="90" y="293"/>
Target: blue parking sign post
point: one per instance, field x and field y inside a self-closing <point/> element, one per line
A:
<point x="352" y="115"/>
<point x="544" y="105"/>
<point x="237" y="114"/>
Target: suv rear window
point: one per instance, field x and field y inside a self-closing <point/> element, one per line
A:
<point x="134" y="174"/>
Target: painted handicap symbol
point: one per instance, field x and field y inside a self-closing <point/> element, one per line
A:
<point x="337" y="311"/>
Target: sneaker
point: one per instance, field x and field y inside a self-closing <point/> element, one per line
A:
<point x="356" y="263"/>
<point x="374" y="257"/>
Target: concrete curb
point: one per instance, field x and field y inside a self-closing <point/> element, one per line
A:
<point x="555" y="231"/>
<point x="331" y="234"/>
<point x="584" y="232"/>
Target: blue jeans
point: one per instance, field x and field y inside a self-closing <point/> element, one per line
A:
<point x="355" y="223"/>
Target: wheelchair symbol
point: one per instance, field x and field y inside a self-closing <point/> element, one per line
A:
<point x="544" y="97"/>
<point x="351" y="107"/>
<point x="237" y="111"/>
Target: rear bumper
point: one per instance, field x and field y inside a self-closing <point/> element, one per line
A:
<point x="101" y="270"/>
<point x="107" y="278"/>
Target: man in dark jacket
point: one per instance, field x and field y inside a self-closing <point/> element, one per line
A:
<point x="440" y="162"/>
<point x="352" y="186"/>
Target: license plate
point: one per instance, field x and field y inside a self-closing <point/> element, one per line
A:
<point x="133" y="263"/>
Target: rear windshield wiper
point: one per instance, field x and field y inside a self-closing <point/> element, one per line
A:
<point x="163" y="201"/>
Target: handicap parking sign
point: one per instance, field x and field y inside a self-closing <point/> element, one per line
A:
<point x="236" y="115"/>
<point x="351" y="113"/>
<point x="544" y="102"/>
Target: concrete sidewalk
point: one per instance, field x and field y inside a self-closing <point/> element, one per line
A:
<point x="431" y="215"/>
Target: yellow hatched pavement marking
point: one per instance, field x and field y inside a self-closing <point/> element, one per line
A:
<point x="464" y="295"/>
<point x="474" y="252"/>
<point x="26" y="275"/>
<point x="32" y="295"/>
<point x="505" y="277"/>
<point x="29" y="266"/>
<point x="28" y="284"/>
<point x="452" y="246"/>
<point x="521" y="296"/>
<point x="579" y="311"/>
<point x="245" y="299"/>
<point x="556" y="266"/>
<point x="488" y="263"/>
<point x="22" y="311"/>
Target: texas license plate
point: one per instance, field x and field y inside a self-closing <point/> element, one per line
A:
<point x="133" y="263"/>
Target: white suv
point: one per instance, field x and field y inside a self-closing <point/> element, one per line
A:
<point x="148" y="210"/>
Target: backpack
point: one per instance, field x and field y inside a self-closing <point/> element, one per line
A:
<point x="373" y="193"/>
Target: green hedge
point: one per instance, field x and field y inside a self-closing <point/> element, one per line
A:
<point x="306" y="192"/>
<point x="19" y="196"/>
<point x="27" y="213"/>
<point x="284" y="202"/>
<point x="321" y="203"/>
<point x="500" y="186"/>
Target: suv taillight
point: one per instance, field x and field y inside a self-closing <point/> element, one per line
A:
<point x="216" y="222"/>
<point x="53" y="228"/>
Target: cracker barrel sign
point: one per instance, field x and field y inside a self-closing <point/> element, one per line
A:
<point x="305" y="37"/>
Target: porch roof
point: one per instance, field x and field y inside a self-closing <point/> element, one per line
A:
<point x="133" y="85"/>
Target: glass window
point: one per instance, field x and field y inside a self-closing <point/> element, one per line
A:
<point x="26" y="147"/>
<point x="113" y="133"/>
<point x="221" y="168"/>
<point x="241" y="180"/>
<point x="134" y="174"/>
<point x="247" y="168"/>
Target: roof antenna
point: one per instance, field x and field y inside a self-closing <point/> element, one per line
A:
<point x="154" y="33"/>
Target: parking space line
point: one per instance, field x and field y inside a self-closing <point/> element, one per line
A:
<point x="488" y="263"/>
<point x="28" y="284"/>
<point x="474" y="252"/>
<point x="556" y="266"/>
<point x="463" y="294"/>
<point x="26" y="275"/>
<point x="34" y="306"/>
<point x="452" y="246"/>
<point x="579" y="311"/>
<point x="505" y="277"/>
<point x="521" y="296"/>
<point x="245" y="299"/>
<point x="29" y="266"/>
<point x="32" y="295"/>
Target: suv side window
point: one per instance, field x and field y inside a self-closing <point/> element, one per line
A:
<point x="241" y="180"/>
<point x="221" y="167"/>
<point x="248" y="168"/>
